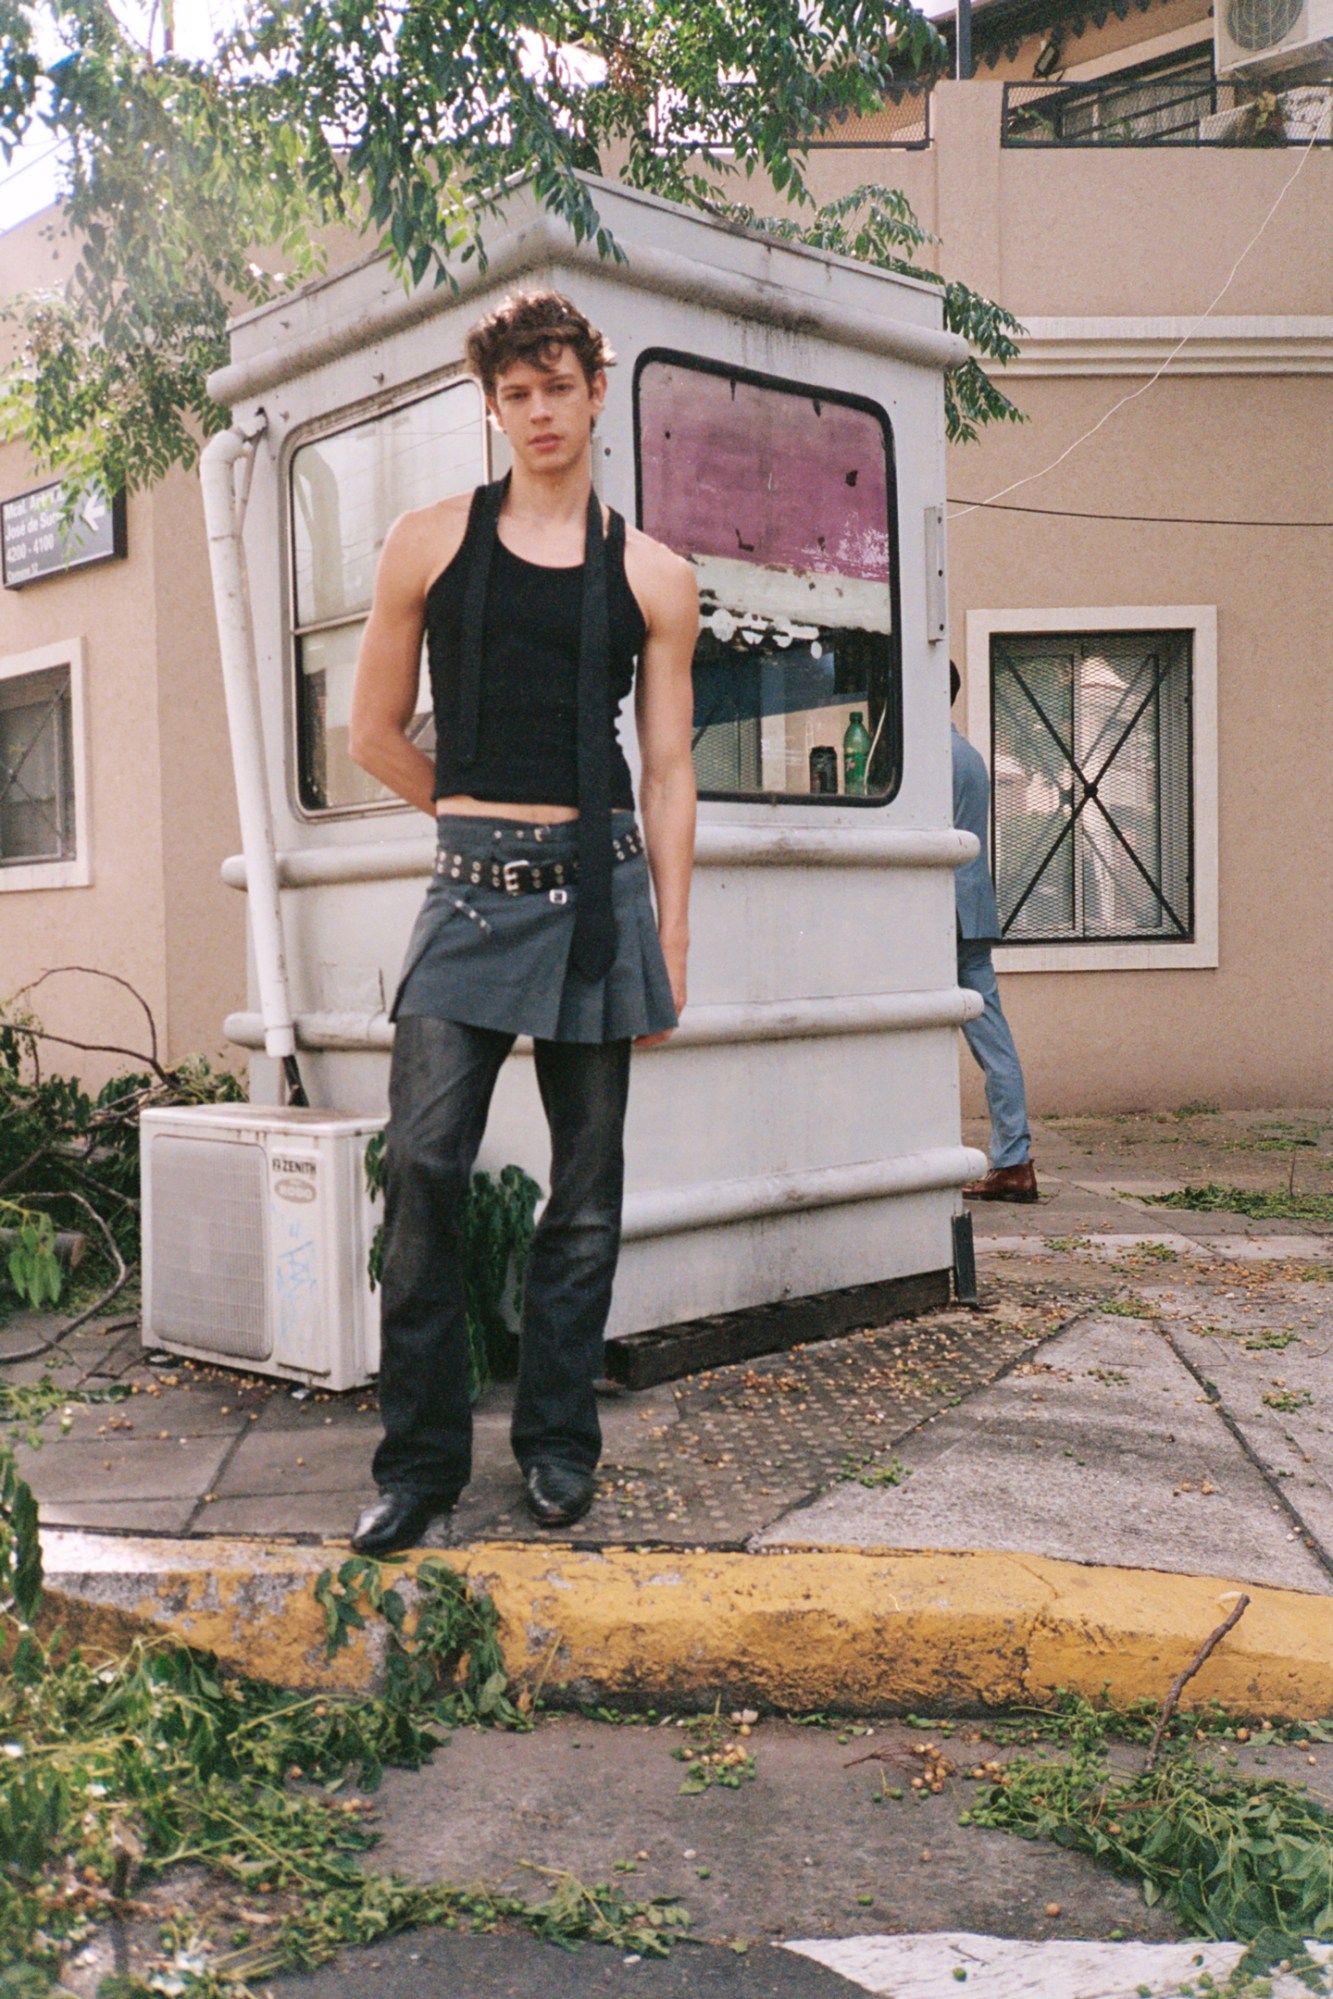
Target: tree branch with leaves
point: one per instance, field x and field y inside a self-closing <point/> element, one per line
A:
<point x="192" y="189"/>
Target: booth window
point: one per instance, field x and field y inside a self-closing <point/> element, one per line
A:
<point x="347" y="489"/>
<point x="782" y="498"/>
<point x="1092" y="793"/>
<point x="38" y="816"/>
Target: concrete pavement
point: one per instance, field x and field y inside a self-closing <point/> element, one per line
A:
<point x="794" y="1883"/>
<point x="973" y="1505"/>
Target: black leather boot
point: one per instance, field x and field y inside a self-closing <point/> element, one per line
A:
<point x="398" y="1519"/>
<point x="558" y="1494"/>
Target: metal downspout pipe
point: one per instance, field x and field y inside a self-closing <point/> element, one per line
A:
<point x="224" y="515"/>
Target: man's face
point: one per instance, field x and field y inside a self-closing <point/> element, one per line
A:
<point x="547" y="412"/>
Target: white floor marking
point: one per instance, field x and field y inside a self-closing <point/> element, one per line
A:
<point x="927" y="1967"/>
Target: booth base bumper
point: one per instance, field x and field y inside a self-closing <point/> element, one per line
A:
<point x="643" y="1360"/>
<point x="798" y="1630"/>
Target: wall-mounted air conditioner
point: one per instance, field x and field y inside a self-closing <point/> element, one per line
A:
<point x="257" y="1230"/>
<point x="1253" y="37"/>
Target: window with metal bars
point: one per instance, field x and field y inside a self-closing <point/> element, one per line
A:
<point x="1092" y="806"/>
<point x="37" y="810"/>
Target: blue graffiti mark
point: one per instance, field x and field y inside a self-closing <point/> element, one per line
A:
<point x="298" y="1287"/>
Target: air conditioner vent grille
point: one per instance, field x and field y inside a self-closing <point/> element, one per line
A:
<point x="1256" y="25"/>
<point x="207" y="1274"/>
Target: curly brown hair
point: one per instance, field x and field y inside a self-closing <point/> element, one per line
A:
<point x="533" y="327"/>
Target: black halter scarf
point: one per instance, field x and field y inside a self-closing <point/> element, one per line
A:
<point x="594" y="943"/>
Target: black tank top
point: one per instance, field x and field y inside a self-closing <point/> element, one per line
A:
<point x="527" y="749"/>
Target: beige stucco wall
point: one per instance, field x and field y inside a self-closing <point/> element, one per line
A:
<point x="161" y="812"/>
<point x="1135" y="233"/>
<point x="1258" y="1028"/>
<point x="1113" y="229"/>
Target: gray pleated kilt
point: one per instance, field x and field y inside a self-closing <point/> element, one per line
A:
<point x="489" y="959"/>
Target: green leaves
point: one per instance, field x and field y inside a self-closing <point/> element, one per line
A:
<point x="876" y="225"/>
<point x="447" y="1663"/>
<point x="62" y="1148"/>
<point x="714" y="1752"/>
<point x="20" y="1546"/>
<point x="1233" y="1857"/>
<point x="1267" y="1203"/>
<point x="498" y="1223"/>
<point x="358" y="1582"/>
<point x="34" y="1270"/>
<point x="20" y="72"/>
<point x="193" y="189"/>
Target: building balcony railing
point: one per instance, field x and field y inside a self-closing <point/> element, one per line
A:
<point x="902" y="121"/>
<point x="1168" y="111"/>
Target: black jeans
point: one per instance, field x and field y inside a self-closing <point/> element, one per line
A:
<point x="440" y="1088"/>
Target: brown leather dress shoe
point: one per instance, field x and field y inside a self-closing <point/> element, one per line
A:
<point x="1005" y="1183"/>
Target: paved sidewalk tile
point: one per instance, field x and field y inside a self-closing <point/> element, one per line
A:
<point x="715" y="1459"/>
<point x="1101" y="1448"/>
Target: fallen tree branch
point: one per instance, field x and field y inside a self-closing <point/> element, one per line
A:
<point x="90" y="1047"/>
<point x="1210" y="1643"/>
<point x="113" y="978"/>
<point x="124" y="1271"/>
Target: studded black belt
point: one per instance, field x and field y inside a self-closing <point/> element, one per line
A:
<point x="524" y="877"/>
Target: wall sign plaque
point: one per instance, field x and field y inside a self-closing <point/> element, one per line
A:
<point x="35" y="544"/>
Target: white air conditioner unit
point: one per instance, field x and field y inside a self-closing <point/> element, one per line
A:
<point x="1253" y="37"/>
<point x="257" y="1227"/>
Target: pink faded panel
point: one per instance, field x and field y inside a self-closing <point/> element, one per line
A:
<point x="762" y="475"/>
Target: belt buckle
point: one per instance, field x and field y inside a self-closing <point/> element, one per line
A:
<point x="509" y="876"/>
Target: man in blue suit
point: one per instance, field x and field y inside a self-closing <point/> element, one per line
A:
<point x="1012" y="1176"/>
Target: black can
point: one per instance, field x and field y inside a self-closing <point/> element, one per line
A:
<point x="824" y="771"/>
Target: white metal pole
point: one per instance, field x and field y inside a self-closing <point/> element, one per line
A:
<point x="223" y="519"/>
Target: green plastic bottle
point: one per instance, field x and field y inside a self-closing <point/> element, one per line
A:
<point x="855" y="756"/>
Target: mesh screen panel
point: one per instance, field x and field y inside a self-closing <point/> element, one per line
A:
<point x="208" y="1276"/>
<point x="902" y="120"/>
<point x="1091" y="800"/>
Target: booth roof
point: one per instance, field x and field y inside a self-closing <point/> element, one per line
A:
<point x="671" y="249"/>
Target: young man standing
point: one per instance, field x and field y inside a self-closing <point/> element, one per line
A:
<point x="534" y="601"/>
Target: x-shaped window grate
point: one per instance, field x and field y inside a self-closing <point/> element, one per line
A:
<point x="1122" y="736"/>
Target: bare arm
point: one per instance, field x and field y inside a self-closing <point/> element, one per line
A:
<point x="384" y="696"/>
<point x="664" y="710"/>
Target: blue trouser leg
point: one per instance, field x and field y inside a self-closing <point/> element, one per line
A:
<point x="992" y="1044"/>
<point x="440" y="1086"/>
<point x="572" y="1262"/>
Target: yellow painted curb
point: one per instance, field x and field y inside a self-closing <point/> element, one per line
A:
<point x="800" y="1630"/>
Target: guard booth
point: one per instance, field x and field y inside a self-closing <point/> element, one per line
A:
<point x="775" y="415"/>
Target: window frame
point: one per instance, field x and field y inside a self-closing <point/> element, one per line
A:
<point x="1198" y="620"/>
<point x="350" y="416"/>
<point x="847" y="399"/>
<point x="78" y="871"/>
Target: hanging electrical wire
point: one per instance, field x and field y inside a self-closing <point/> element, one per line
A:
<point x="1030" y="478"/>
<point x="1149" y="520"/>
